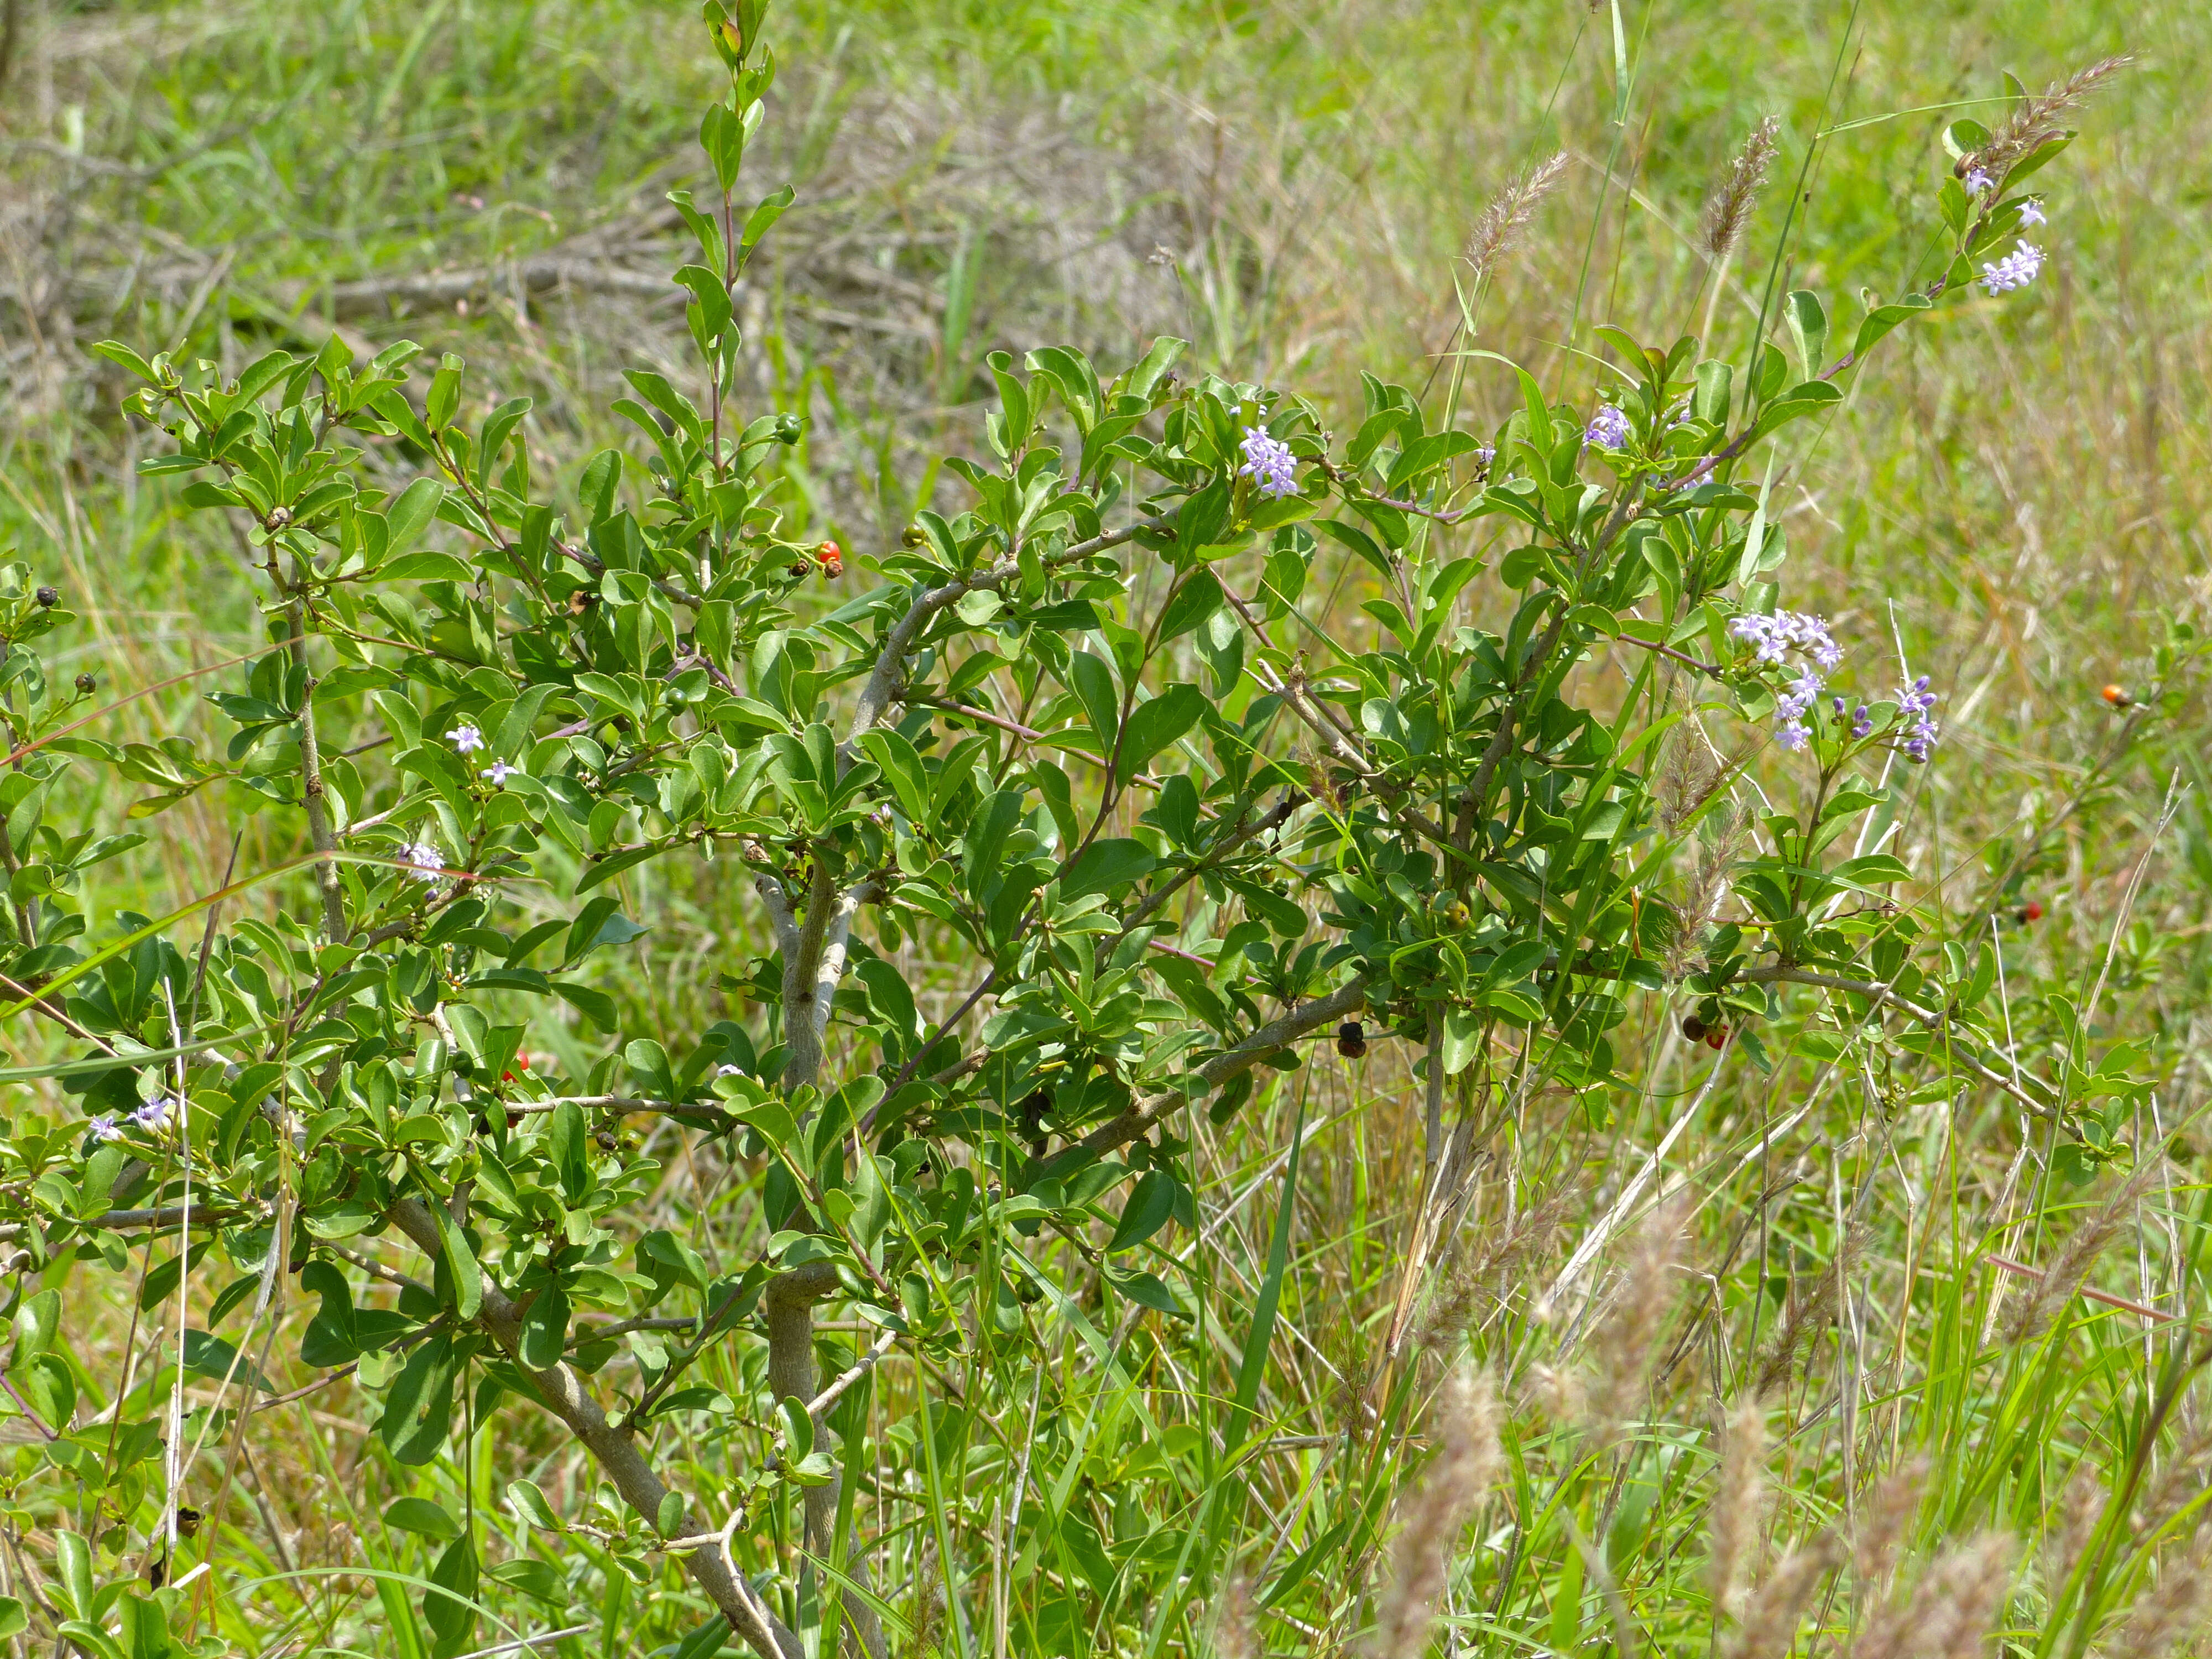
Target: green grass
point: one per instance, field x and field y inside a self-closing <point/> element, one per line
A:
<point x="2017" y="496"/>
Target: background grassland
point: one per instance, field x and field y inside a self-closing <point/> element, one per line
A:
<point x="2015" y="499"/>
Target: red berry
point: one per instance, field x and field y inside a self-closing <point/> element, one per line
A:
<point x="1716" y="1038"/>
<point x="2031" y="911"/>
<point x="523" y="1060"/>
<point x="507" y="1077"/>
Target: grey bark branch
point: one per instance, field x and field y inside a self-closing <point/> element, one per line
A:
<point x="790" y="1302"/>
<point x="563" y="1394"/>
<point x="327" y="880"/>
<point x="1229" y="1063"/>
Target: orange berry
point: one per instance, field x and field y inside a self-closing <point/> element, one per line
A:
<point x="2118" y="696"/>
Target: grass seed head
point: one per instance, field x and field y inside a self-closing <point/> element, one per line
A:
<point x="1775" y="1609"/>
<point x="1468" y="1465"/>
<point x="1737" y="1502"/>
<point x="1507" y="218"/>
<point x="1728" y="209"/>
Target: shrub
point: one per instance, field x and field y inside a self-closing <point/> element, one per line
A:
<point x="1091" y="745"/>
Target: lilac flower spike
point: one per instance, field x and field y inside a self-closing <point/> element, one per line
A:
<point x="1914" y="703"/>
<point x="2030" y="211"/>
<point x="104" y="1130"/>
<point x="466" y="739"/>
<point x="427" y="857"/>
<point x="1607" y="429"/>
<point x="1269" y="464"/>
<point x="2016" y="270"/>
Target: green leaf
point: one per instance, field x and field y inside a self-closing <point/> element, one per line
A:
<point x="798" y="1427"/>
<point x="1463" y="1028"/>
<point x="424" y="1518"/>
<point x="1149" y="1209"/>
<point x="207" y="1355"/>
<point x="445" y="394"/>
<point x="461" y="1262"/>
<point x="453" y="1618"/>
<point x="123" y="357"/>
<point x="36" y="1322"/>
<point x="1106" y="865"/>
<point x="1092" y="682"/>
<point x="544" y="1329"/>
<point x="1194" y="602"/>
<point x="1809" y="328"/>
<point x="594" y="1005"/>
<point x="419" y="1408"/>
<point x="1154" y="724"/>
<point x="1158" y="359"/>
<point x="987" y="837"/>
<point x="872" y="1202"/>
<point x="408" y="513"/>
<point x="526" y="1499"/>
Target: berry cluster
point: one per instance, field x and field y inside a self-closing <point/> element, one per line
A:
<point x="829" y="558"/>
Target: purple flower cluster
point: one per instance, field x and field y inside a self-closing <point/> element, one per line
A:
<point x="153" y="1117"/>
<point x="1607" y="429"/>
<point x="466" y="740"/>
<point x="2016" y="270"/>
<point x="1772" y="638"/>
<point x="1268" y="463"/>
<point x="1913" y="704"/>
<point x="428" y="857"/>
<point x="1786" y="631"/>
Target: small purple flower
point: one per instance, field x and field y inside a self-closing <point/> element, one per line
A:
<point x="2030" y="211"/>
<point x="1913" y="704"/>
<point x="1793" y="736"/>
<point x="153" y="1115"/>
<point x="1764" y="633"/>
<point x="2016" y="270"/>
<point x="466" y="739"/>
<point x="103" y="1128"/>
<point x="1862" y="720"/>
<point x="1836" y="703"/>
<point x="1485" y="456"/>
<point x="499" y="772"/>
<point x="426" y="858"/>
<point x="729" y="1071"/>
<point x="1608" y="428"/>
<point x="1796" y="702"/>
<point x="1269" y="464"/>
<point x="1977" y="181"/>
